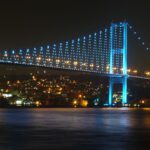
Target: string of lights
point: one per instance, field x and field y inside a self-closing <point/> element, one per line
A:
<point x="107" y="52"/>
<point x="101" y="59"/>
<point x="139" y="38"/>
<point x="89" y="50"/>
<point x="84" y="54"/>
<point x="89" y="53"/>
<point x="60" y="54"/>
<point x="105" y="47"/>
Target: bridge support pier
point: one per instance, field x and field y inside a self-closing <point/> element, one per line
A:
<point x="118" y="80"/>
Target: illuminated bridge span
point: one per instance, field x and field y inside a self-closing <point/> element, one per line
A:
<point x="103" y="52"/>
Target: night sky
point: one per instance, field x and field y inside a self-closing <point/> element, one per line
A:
<point x="29" y="23"/>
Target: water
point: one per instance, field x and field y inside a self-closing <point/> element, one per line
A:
<point x="75" y="129"/>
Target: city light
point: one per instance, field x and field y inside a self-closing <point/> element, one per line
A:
<point x="84" y="103"/>
<point x="107" y="67"/>
<point x="37" y="103"/>
<point x="84" y="64"/>
<point x="38" y="58"/>
<point x="18" y="82"/>
<point x="80" y="96"/>
<point x="34" y="78"/>
<point x="142" y="101"/>
<point x="7" y="95"/>
<point x="48" y="59"/>
<point x="135" y="71"/>
<point x="28" y="57"/>
<point x="147" y="73"/>
<point x="75" y="63"/>
<point x="129" y="70"/>
<point x="114" y="68"/>
<point x="67" y="62"/>
<point x="91" y="65"/>
<point x="19" y="102"/>
<point x="75" y="103"/>
<point x="58" y="61"/>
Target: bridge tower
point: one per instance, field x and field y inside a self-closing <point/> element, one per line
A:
<point x="118" y="51"/>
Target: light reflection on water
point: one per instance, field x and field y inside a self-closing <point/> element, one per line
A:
<point x="74" y="128"/>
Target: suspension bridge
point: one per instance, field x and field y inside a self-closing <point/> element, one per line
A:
<point x="103" y="52"/>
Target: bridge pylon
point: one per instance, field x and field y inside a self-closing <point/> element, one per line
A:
<point x="118" y="55"/>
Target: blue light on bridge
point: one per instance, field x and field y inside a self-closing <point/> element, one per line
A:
<point x="89" y="49"/>
<point x="66" y="55"/>
<point x="118" y="51"/>
<point x="60" y="52"/>
<point x="84" y="54"/>
<point x="100" y="47"/>
<point x="101" y="52"/>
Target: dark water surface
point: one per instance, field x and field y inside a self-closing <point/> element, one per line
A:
<point x="75" y="129"/>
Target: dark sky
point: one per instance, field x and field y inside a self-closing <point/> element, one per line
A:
<point x="29" y="23"/>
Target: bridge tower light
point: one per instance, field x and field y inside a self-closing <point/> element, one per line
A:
<point x="114" y="49"/>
